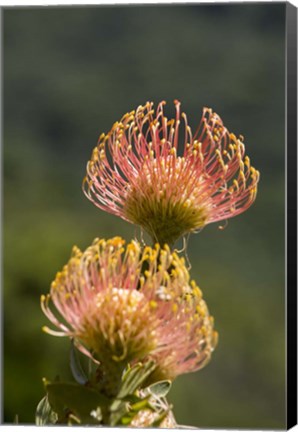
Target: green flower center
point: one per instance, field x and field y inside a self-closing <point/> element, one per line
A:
<point x="164" y="202"/>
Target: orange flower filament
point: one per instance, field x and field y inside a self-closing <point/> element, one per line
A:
<point x="118" y="312"/>
<point x="143" y="172"/>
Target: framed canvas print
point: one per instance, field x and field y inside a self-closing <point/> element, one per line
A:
<point x="149" y="222"/>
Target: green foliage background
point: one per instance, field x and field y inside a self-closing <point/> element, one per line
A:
<point x="69" y="74"/>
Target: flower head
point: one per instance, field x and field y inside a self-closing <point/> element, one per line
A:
<point x="119" y="312"/>
<point x="136" y="172"/>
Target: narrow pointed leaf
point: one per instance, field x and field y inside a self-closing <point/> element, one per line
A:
<point x="140" y="405"/>
<point x="75" y="366"/>
<point x="119" y="411"/>
<point x="132" y="399"/>
<point x="160" y="388"/>
<point x="44" y="414"/>
<point x="135" y="377"/>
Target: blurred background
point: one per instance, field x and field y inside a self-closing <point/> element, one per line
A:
<point x="69" y="74"/>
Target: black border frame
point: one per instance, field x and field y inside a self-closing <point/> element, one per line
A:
<point x="291" y="218"/>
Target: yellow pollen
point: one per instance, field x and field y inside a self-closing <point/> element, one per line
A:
<point x="174" y="307"/>
<point x="201" y="311"/>
<point x="153" y="304"/>
<point x="188" y="297"/>
<point x="187" y="203"/>
<point x="236" y="184"/>
<point x="196" y="291"/>
<point x="204" y="330"/>
<point x="242" y="176"/>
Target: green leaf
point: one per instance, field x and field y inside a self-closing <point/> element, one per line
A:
<point x="44" y="414"/>
<point x="127" y="408"/>
<point x="131" y="411"/>
<point x="118" y="410"/>
<point x="125" y="421"/>
<point x="75" y="366"/>
<point x="143" y="404"/>
<point x="132" y="399"/>
<point x="134" y="378"/>
<point x="72" y="398"/>
<point x="127" y="404"/>
<point x="160" y="388"/>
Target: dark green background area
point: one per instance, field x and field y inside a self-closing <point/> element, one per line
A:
<point x="69" y="74"/>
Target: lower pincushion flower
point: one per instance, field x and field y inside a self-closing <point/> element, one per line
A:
<point x="143" y="172"/>
<point x="123" y="304"/>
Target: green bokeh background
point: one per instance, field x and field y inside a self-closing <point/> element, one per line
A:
<point x="69" y="74"/>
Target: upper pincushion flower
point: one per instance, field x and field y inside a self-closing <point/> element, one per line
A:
<point x="136" y="172"/>
<point x="120" y="313"/>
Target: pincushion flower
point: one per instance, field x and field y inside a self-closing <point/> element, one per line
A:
<point x="136" y="172"/>
<point x="120" y="313"/>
